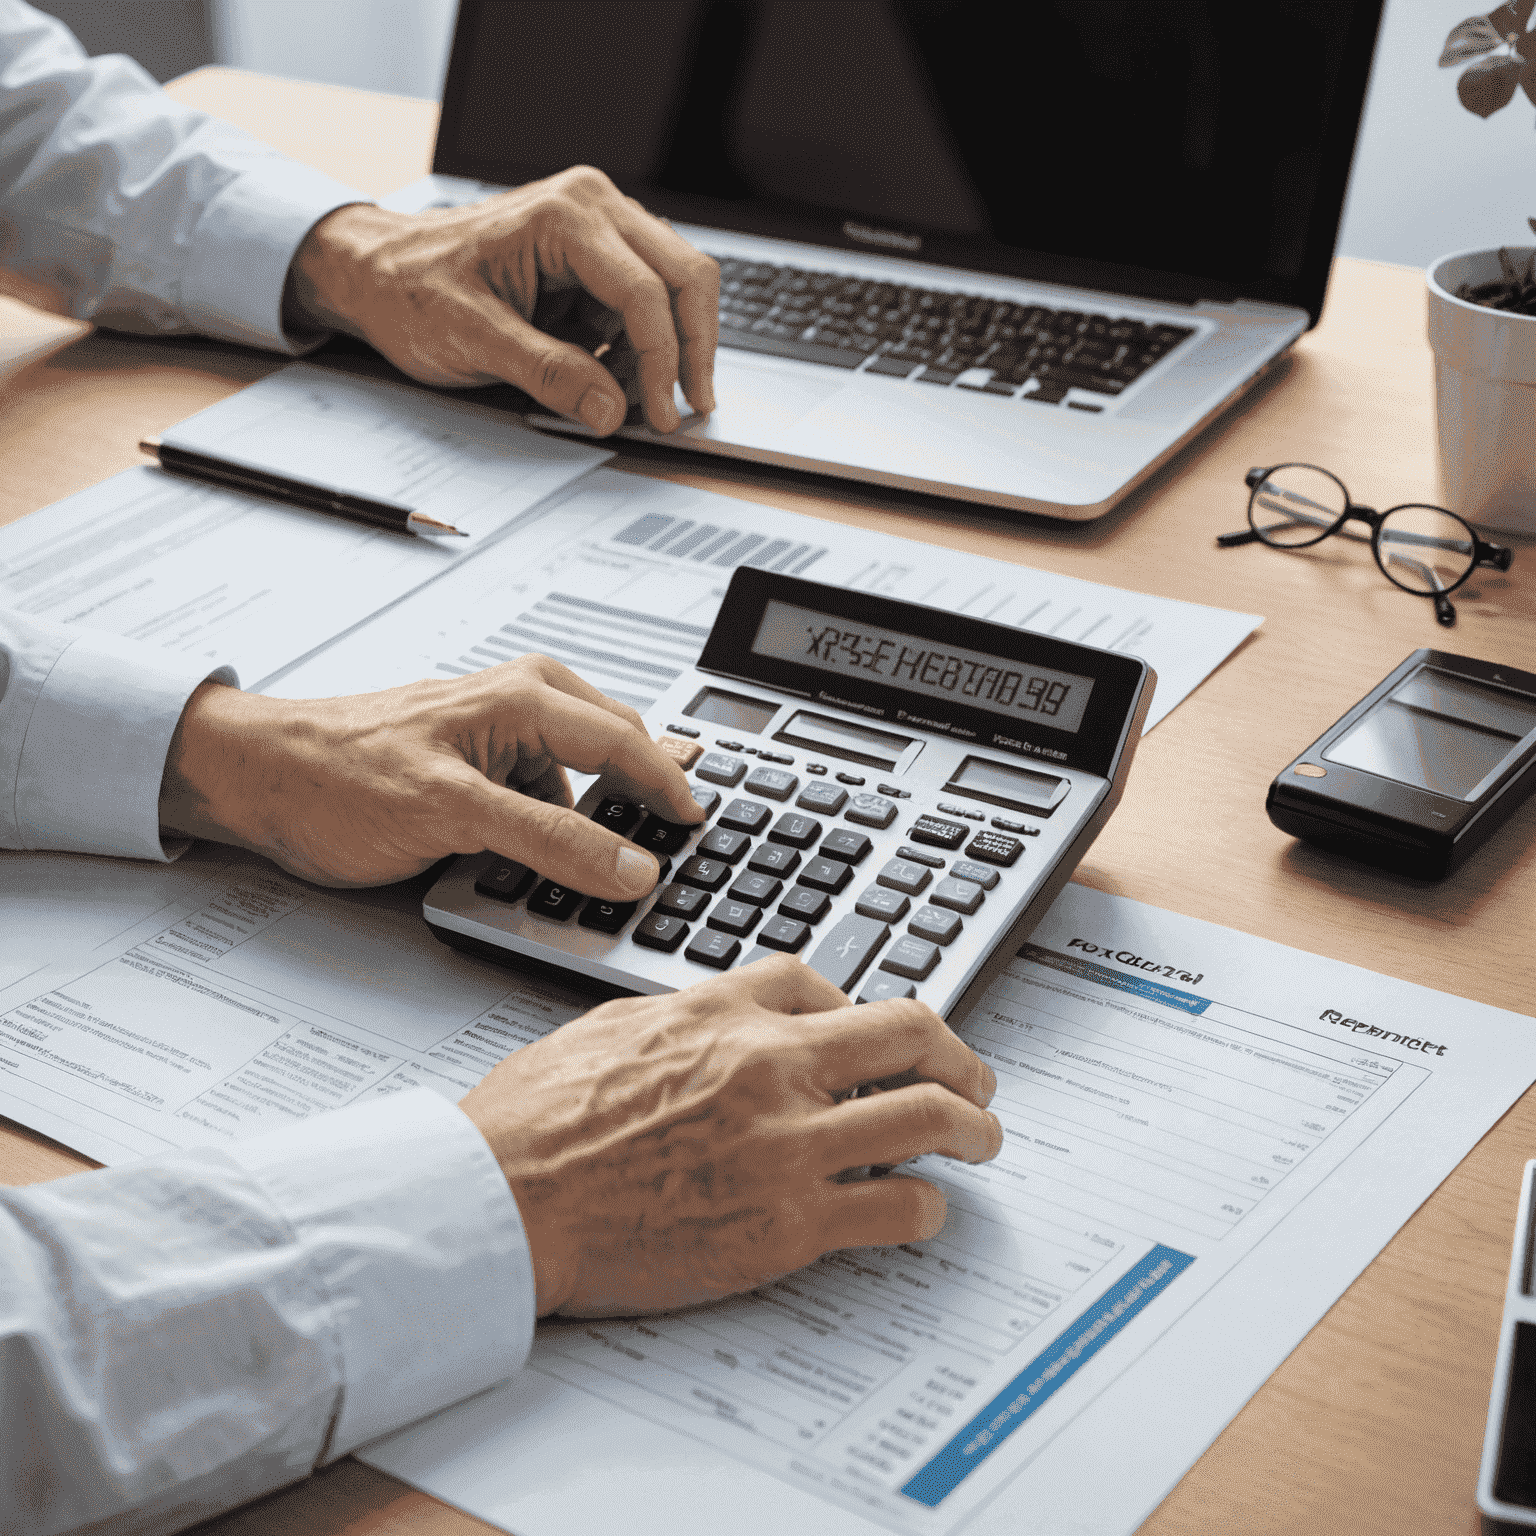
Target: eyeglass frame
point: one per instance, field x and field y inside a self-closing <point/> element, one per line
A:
<point x="1484" y="555"/>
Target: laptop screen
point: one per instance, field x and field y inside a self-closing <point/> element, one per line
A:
<point x="1180" y="149"/>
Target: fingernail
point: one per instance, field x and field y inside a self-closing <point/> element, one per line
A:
<point x="601" y="411"/>
<point x="637" y="871"/>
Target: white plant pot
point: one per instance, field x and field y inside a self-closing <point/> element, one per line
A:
<point x="1485" y="396"/>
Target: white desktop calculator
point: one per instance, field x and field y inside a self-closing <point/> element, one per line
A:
<point x="893" y="793"/>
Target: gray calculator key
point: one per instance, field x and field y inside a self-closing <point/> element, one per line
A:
<point x="774" y="859"/>
<point x="920" y="856"/>
<point x="912" y="958"/>
<point x="904" y="875"/>
<point x="773" y="782"/>
<point x="794" y="830"/>
<point x="760" y="890"/>
<point x="745" y="816"/>
<point x="847" y="948"/>
<point x="936" y="924"/>
<point x="849" y="846"/>
<point x="803" y="902"/>
<point x="826" y="798"/>
<point x="871" y="811"/>
<point x="877" y="901"/>
<point x="712" y="947"/>
<point x="706" y="799"/>
<point x="735" y="917"/>
<point x="721" y="768"/>
<point x="706" y="874"/>
<point x="681" y="901"/>
<point x="830" y="875"/>
<point x="882" y="985"/>
<point x="658" y="931"/>
<point x="958" y="895"/>
<point x="967" y="869"/>
<point x="787" y="934"/>
<point x="723" y="843"/>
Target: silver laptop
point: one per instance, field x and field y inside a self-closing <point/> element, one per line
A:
<point x="1015" y="255"/>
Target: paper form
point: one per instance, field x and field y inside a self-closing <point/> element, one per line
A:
<point x="237" y="579"/>
<point x="1207" y="1136"/>
<point x="621" y="577"/>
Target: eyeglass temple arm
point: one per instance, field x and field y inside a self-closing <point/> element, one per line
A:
<point x="1496" y="555"/>
<point x="1231" y="540"/>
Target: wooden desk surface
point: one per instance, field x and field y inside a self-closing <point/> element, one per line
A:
<point x="1374" y="1424"/>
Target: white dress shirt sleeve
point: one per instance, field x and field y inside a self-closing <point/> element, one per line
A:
<point x="135" y="211"/>
<point x="86" y="720"/>
<point x="184" y="1333"/>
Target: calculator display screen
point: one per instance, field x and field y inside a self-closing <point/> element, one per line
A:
<point x="735" y="711"/>
<point x="998" y="684"/>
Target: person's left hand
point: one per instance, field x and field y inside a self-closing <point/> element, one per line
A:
<point x="448" y="296"/>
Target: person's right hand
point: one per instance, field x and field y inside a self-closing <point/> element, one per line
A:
<point x="665" y="1151"/>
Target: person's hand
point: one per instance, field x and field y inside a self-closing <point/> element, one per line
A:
<point x="665" y="1151"/>
<point x="448" y="296"/>
<point x="376" y="787"/>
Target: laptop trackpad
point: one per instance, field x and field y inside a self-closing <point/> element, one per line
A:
<point x="751" y="401"/>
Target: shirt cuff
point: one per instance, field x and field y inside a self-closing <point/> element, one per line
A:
<point x="88" y="780"/>
<point x="245" y="241"/>
<point x="409" y="1223"/>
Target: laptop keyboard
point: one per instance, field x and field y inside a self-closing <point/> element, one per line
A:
<point x="993" y="346"/>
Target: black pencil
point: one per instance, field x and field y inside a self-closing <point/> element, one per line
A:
<point x="298" y="493"/>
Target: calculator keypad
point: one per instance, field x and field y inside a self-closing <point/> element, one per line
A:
<point x="768" y="877"/>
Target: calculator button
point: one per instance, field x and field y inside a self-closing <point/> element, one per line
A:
<point x="803" y="902"/>
<point x="903" y="875"/>
<point x="712" y="947"/>
<point x="1004" y="824"/>
<point x="815" y="767"/>
<point x="663" y="838"/>
<point x="877" y="901"/>
<point x="958" y="895"/>
<point x="850" y="847"/>
<point x="951" y="810"/>
<point x="894" y="791"/>
<point x="826" y="875"/>
<point x="794" y="831"/>
<point x="556" y="902"/>
<point x="871" y="811"/>
<point x="994" y="848"/>
<point x="760" y="890"/>
<point x="506" y="882"/>
<point x="729" y="746"/>
<point x="663" y="871"/>
<point x="774" y="859"/>
<point x="850" y="778"/>
<point x="826" y="798"/>
<point x="773" y="782"/>
<point x="939" y="834"/>
<point x="721" y="768"/>
<point x="776" y="757"/>
<point x="725" y="844"/>
<point x="706" y="874"/>
<point x="681" y="901"/>
<point x="935" y="924"/>
<point x="684" y="753"/>
<point x="616" y="815"/>
<point x="682" y="730"/>
<point x="737" y="917"/>
<point x="881" y="987"/>
<point x="658" y="931"/>
<point x="606" y="916"/>
<point x="784" y="933"/>
<point x="847" y="948"/>
<point x="918" y="856"/>
<point x="706" y="799"/>
<point x="912" y="958"/>
<point x="982" y="874"/>
<point x="745" y="816"/>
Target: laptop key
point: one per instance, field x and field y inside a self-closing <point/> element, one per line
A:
<point x="778" y="346"/>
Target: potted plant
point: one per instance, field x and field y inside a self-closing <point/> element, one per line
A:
<point x="1482" y="309"/>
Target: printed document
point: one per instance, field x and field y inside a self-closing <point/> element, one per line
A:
<point x="621" y="577"/>
<point x="248" y="582"/>
<point x="1208" y="1136"/>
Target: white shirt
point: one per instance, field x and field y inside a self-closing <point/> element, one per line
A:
<point x="187" y="1332"/>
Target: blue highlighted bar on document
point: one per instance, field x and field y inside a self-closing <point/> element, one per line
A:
<point x="1140" y="986"/>
<point x="1050" y="1369"/>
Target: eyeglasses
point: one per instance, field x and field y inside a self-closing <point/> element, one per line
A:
<point x="1422" y="549"/>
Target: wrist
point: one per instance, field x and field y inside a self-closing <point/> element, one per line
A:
<point x="331" y="273"/>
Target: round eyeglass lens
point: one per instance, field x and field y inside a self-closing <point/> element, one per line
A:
<point x="1425" y="549"/>
<point x="1296" y="504"/>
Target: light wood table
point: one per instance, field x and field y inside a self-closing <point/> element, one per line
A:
<point x="1375" y="1422"/>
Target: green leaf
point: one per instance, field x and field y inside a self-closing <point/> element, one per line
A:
<point x="1489" y="84"/>
<point x="1468" y="39"/>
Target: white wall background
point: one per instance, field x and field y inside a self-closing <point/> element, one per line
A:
<point x="1429" y="177"/>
